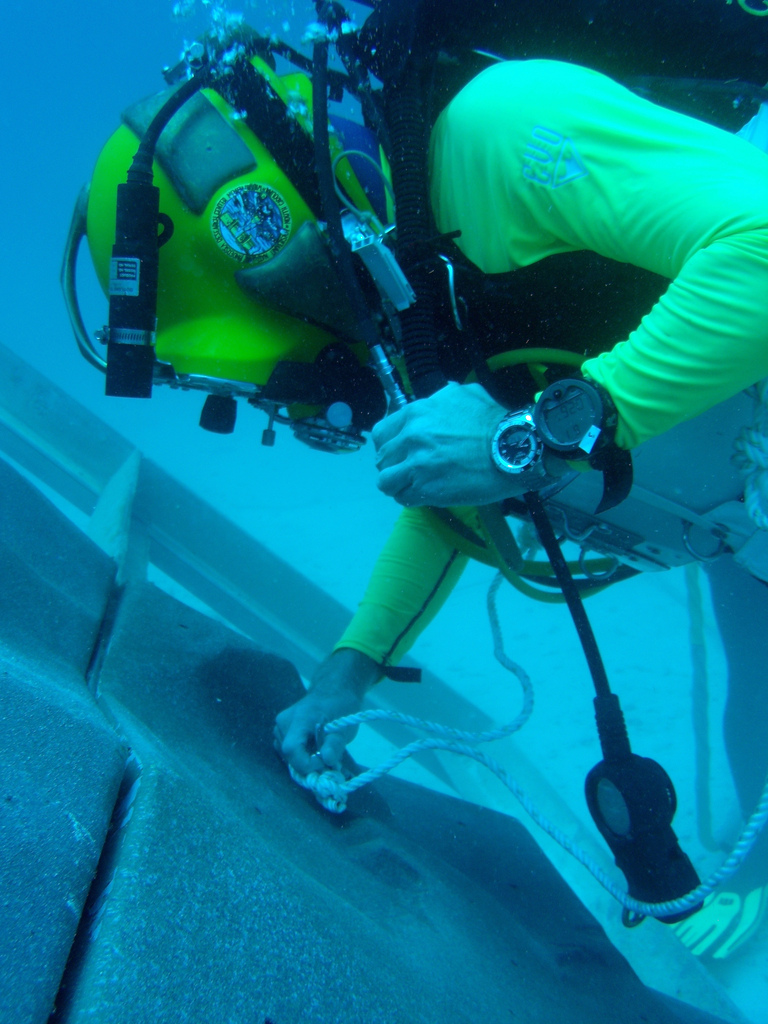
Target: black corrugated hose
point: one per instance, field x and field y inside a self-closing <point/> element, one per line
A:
<point x="407" y="128"/>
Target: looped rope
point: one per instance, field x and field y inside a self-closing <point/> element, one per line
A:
<point x="331" y="788"/>
<point x="751" y="457"/>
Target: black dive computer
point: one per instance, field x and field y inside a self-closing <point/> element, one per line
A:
<point x="575" y="418"/>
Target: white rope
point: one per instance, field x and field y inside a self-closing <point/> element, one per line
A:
<point x="331" y="788"/>
<point x="751" y="457"/>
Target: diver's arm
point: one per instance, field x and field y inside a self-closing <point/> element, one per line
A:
<point x="437" y="452"/>
<point x="704" y="341"/>
<point x="536" y="157"/>
<point x="413" y="576"/>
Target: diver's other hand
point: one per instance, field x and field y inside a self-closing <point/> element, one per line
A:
<point x="437" y="451"/>
<point x="337" y="689"/>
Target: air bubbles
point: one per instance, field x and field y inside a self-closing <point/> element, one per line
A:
<point x="183" y="8"/>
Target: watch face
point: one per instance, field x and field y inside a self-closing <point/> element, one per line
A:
<point x="518" y="447"/>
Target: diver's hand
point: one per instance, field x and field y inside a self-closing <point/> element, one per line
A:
<point x="337" y="689"/>
<point x="437" y="451"/>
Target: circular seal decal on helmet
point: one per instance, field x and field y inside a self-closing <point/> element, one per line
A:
<point x="251" y="223"/>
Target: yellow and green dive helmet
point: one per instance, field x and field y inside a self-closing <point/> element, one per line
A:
<point x="247" y="299"/>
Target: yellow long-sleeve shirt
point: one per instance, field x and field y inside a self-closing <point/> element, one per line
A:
<point x="534" y="158"/>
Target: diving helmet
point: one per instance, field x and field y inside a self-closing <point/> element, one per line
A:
<point x="247" y="303"/>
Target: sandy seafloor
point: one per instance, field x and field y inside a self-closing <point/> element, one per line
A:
<point x="68" y="69"/>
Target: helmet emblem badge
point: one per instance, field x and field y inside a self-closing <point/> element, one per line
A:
<point x="251" y="223"/>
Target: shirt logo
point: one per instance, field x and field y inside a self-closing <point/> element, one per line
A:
<point x="551" y="159"/>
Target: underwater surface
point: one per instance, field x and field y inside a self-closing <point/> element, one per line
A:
<point x="69" y="69"/>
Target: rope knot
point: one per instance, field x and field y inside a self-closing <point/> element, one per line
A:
<point x="329" y="788"/>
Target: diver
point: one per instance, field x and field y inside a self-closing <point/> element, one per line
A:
<point x="533" y="159"/>
<point x="544" y="178"/>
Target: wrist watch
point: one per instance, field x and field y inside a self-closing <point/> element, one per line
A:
<point x="518" y="450"/>
<point x="573" y="419"/>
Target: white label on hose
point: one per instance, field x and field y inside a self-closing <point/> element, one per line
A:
<point x="124" y="275"/>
